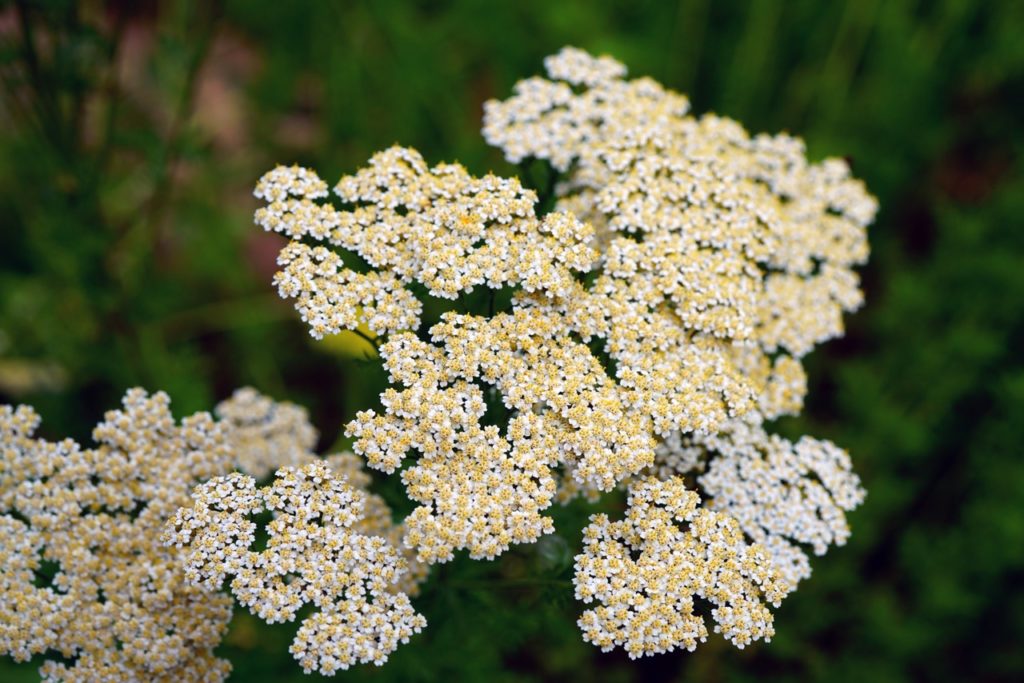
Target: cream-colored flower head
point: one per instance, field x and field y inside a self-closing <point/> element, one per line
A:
<point x="478" y="490"/>
<point x="450" y="232"/>
<point x="646" y="570"/>
<point x="266" y="434"/>
<point x="707" y="263"/>
<point x="118" y="606"/>
<point x="378" y="520"/>
<point x="315" y="554"/>
<point x="439" y="227"/>
<point x="702" y="227"/>
<point x="562" y="119"/>
<point x="576" y="67"/>
<point x="785" y="496"/>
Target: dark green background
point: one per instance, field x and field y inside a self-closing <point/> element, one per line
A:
<point x="132" y="134"/>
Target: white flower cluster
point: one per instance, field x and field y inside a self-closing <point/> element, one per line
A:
<point x="314" y="554"/>
<point x="115" y="604"/>
<point x="477" y="489"/>
<point x="378" y="520"/>
<point x="266" y="434"/>
<point x="646" y="345"/>
<point x="782" y="494"/>
<point x="440" y="227"/>
<point x="703" y="226"/>
<point x="576" y="67"/>
<point x="646" y="570"/>
<point x="83" y="572"/>
<point x="718" y="251"/>
<point x="674" y="378"/>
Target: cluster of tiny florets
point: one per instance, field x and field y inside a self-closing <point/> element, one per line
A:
<point x="439" y="227"/>
<point x="657" y="321"/>
<point x="478" y="490"/>
<point x="265" y="434"/>
<point x="711" y="239"/>
<point x="706" y="231"/>
<point x="378" y="520"/>
<point x="783" y="495"/>
<point x="577" y="67"/>
<point x="646" y="570"/>
<point x="82" y="571"/>
<point x="314" y="554"/>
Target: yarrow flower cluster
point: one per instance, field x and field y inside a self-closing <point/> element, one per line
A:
<point x="647" y="569"/>
<point x="439" y="227"/>
<point x="265" y="434"/>
<point x="783" y="495"/>
<point x="706" y="231"/>
<point x="313" y="554"/>
<point x="649" y="342"/>
<point x="378" y="520"/>
<point x="641" y="336"/>
<point x="82" y="571"/>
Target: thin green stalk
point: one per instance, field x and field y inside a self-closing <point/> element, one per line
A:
<point x="45" y="104"/>
<point x="375" y="342"/>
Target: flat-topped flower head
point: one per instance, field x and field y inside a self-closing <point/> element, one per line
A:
<point x="646" y="570"/>
<point x="637" y="337"/>
<point x="265" y="435"/>
<point x="578" y="67"/>
<point x="290" y="181"/>
<point x="478" y="490"/>
<point x="440" y="227"/>
<point x="563" y="119"/>
<point x="724" y="234"/>
<point x="315" y="554"/>
<point x="118" y="606"/>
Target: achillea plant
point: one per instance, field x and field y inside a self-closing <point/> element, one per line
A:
<point x="634" y="323"/>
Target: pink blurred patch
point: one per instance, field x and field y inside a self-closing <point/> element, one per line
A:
<point x="261" y="250"/>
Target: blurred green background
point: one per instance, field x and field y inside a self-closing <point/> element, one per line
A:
<point x="133" y="133"/>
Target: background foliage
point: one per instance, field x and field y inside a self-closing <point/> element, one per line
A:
<point x="133" y="132"/>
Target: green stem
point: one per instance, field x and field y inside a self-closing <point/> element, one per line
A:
<point x="375" y="342"/>
<point x="45" y="103"/>
<point x="112" y="91"/>
<point x="168" y="157"/>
